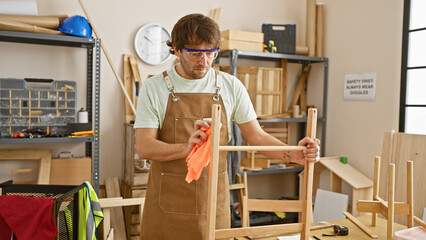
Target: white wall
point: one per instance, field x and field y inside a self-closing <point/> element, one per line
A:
<point x="360" y="36"/>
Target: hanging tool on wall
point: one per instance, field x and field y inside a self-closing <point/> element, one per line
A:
<point x="136" y="77"/>
<point x="131" y="71"/>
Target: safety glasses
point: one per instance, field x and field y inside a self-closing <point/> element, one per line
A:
<point x="198" y="54"/>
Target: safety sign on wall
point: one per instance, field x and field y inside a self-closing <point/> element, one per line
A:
<point x="360" y="87"/>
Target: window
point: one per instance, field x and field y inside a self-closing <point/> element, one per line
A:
<point x="412" y="114"/>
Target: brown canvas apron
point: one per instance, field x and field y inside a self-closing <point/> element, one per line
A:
<point x="175" y="209"/>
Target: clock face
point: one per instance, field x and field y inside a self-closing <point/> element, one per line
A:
<point x="150" y="44"/>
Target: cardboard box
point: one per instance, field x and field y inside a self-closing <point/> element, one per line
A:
<point x="241" y="40"/>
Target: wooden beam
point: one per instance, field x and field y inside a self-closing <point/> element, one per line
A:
<point x="264" y="205"/>
<point x="391" y="201"/>
<point x="375" y="187"/>
<point x="213" y="173"/>
<point x="43" y="155"/>
<point x="112" y="187"/>
<point x="261" y="148"/>
<point x="360" y="225"/>
<point x="410" y="195"/>
<point x="259" y="230"/>
<point x="380" y="207"/>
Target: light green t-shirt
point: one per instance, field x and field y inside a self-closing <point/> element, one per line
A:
<point x="153" y="97"/>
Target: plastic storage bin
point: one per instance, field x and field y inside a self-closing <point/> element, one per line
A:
<point x="43" y="104"/>
<point x="414" y="233"/>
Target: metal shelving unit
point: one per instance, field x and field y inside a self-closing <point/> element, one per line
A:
<point x="93" y="47"/>
<point x="235" y="54"/>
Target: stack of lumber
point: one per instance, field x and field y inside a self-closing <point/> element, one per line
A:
<point x="134" y="184"/>
<point x="241" y="40"/>
<point x="36" y="24"/>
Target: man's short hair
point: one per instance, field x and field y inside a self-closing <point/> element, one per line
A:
<point x="194" y="29"/>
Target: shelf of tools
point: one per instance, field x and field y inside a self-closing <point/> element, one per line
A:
<point x="93" y="47"/>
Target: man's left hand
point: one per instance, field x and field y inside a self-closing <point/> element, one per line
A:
<point x="312" y="151"/>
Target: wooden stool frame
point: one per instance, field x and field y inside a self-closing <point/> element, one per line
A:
<point x="389" y="208"/>
<point x="304" y="205"/>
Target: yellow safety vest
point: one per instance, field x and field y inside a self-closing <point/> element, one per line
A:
<point x="90" y="213"/>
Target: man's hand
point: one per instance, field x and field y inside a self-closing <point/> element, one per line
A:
<point x="312" y="151"/>
<point x="198" y="137"/>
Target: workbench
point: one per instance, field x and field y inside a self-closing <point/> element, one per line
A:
<point x="354" y="232"/>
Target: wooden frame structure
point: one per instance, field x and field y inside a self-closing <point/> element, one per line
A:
<point x="107" y="203"/>
<point x="362" y="186"/>
<point x="389" y="208"/>
<point x="43" y="155"/>
<point x="304" y="205"/>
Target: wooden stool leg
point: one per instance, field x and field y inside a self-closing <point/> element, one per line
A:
<point x="410" y="194"/>
<point x="375" y="187"/>
<point x="213" y="173"/>
<point x="309" y="175"/>
<point x="391" y="201"/>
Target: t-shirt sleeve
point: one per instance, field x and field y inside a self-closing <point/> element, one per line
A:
<point x="146" y="114"/>
<point x="243" y="110"/>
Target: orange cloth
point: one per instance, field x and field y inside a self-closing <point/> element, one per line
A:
<point x="199" y="157"/>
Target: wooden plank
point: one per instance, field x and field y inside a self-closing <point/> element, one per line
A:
<point x="284" y="85"/>
<point x="347" y="173"/>
<point x="263" y="163"/>
<point x="264" y="205"/>
<point x="242" y="35"/>
<point x="259" y="230"/>
<point x="410" y="194"/>
<point x="375" y="187"/>
<point x="299" y="86"/>
<point x="319" y="36"/>
<point x="241" y="45"/>
<point x="215" y="14"/>
<point x="406" y="147"/>
<point x="360" y="194"/>
<point x="213" y="173"/>
<point x="127" y="81"/>
<point x="360" y="225"/>
<point x="120" y="202"/>
<point x="129" y="159"/>
<point x="43" y="155"/>
<point x="117" y="218"/>
<point x="310" y="26"/>
<point x="70" y="171"/>
<point x="377" y="207"/>
<point x="335" y="183"/>
<point x="391" y="204"/>
<point x="385" y="160"/>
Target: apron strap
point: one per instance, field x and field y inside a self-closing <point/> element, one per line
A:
<point x="171" y="88"/>
<point x="218" y="86"/>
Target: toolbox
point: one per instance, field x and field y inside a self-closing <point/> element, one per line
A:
<point x="282" y="35"/>
<point x="43" y="104"/>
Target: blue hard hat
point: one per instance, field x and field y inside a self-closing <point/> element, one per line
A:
<point x="76" y="25"/>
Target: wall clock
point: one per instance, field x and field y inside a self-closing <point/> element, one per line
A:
<point x="150" y="44"/>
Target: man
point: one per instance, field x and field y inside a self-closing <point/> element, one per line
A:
<point x="173" y="107"/>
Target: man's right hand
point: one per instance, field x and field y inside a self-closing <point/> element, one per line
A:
<point x="198" y="137"/>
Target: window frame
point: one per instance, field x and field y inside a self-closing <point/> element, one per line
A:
<point x="404" y="66"/>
